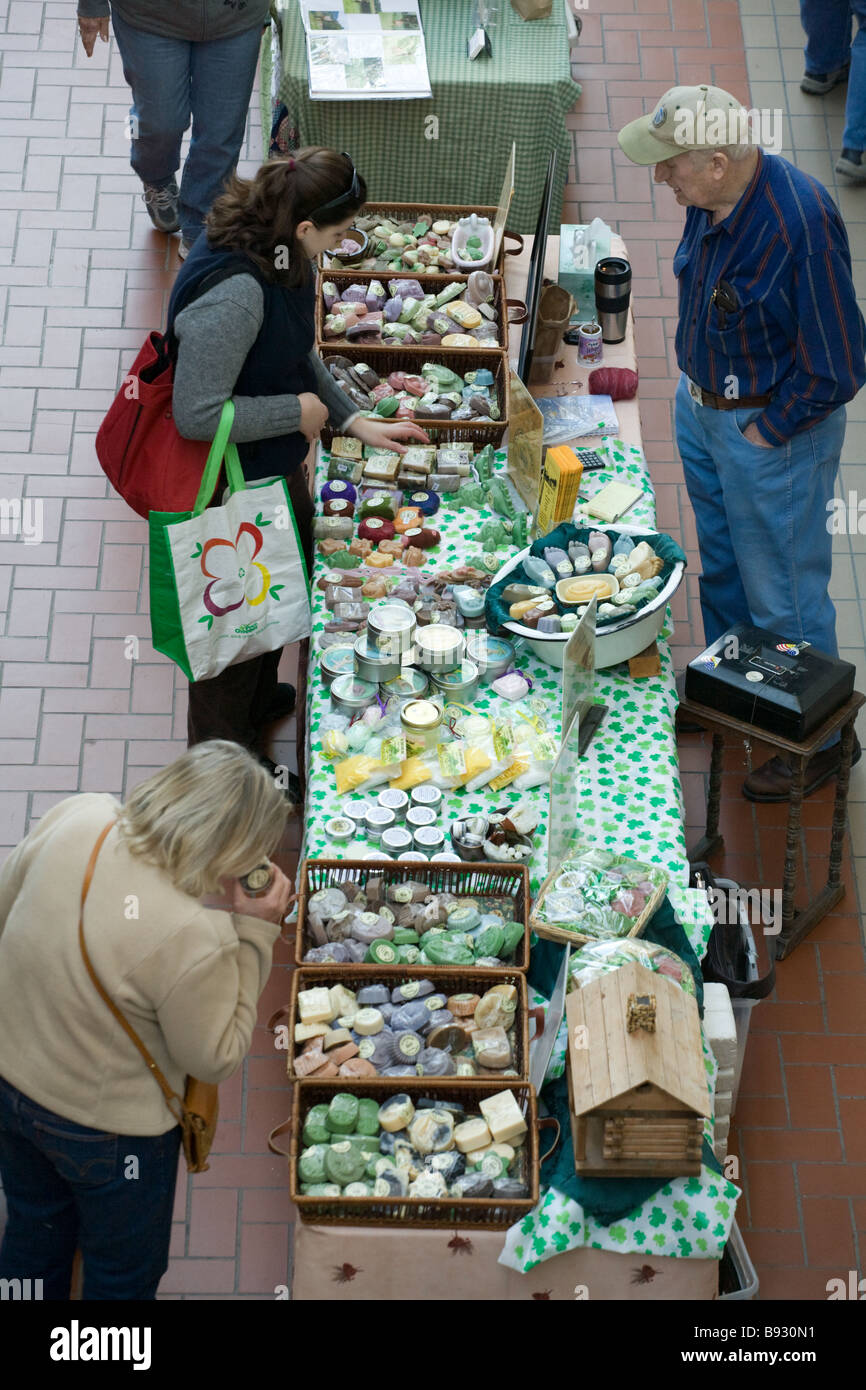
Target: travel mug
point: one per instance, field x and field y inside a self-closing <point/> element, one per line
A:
<point x="612" y="297"/>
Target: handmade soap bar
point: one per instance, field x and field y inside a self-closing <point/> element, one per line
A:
<point x="492" y="1048"/>
<point x="378" y="1049"/>
<point x="473" y="1134"/>
<point x="503" y="1117"/>
<point x="305" y="1031"/>
<point x="538" y="571"/>
<point x="343" y="446"/>
<point x="396" y="1113"/>
<point x="342" y="1113"/>
<point x="314" y="1006"/>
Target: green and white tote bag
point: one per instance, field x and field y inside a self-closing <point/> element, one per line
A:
<point x="227" y="583"/>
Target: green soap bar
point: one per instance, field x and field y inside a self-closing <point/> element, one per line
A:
<point x="316" y="1126"/>
<point x="388" y="406"/>
<point x="492" y="1165"/>
<point x="513" y="935"/>
<point x="489" y="942"/>
<point x="321" y="1189"/>
<point x="444" y="951"/>
<point x="460" y="938"/>
<point x="344" y="1164"/>
<point x="368" y="1117"/>
<point x="463" y="919"/>
<point x="358" y="1189"/>
<point x="405" y="936"/>
<point x="377" y="1164"/>
<point x="343" y="1114"/>
<point x="364" y="1143"/>
<point x="409" y="955"/>
<point x="311" y="1164"/>
<point x="342" y="560"/>
<point x="381" y="953"/>
<point x="381" y="505"/>
<point x="450" y="292"/>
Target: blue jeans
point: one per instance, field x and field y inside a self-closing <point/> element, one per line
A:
<point x="761" y="517"/>
<point x="173" y="81"/>
<point x="828" y="46"/>
<point x="67" y="1186"/>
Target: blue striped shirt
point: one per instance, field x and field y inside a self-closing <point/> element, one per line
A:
<point x="797" y="333"/>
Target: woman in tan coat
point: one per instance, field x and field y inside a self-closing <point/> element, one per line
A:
<point x="88" y="1146"/>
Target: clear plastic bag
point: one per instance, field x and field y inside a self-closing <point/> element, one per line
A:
<point x="600" y="957"/>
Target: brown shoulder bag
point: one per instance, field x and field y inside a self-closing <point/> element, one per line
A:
<point x="198" y="1112"/>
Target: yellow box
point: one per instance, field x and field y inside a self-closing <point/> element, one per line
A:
<point x="560" y="483"/>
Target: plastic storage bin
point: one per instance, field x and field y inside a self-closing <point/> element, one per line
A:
<point x="738" y="1279"/>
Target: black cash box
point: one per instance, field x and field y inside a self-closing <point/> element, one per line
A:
<point x="789" y="688"/>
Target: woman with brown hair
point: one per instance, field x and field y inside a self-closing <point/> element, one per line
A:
<point x="242" y="315"/>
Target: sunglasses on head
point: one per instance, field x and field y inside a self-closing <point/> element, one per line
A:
<point x="351" y="195"/>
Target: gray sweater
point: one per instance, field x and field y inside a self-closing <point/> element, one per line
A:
<point x="191" y="20"/>
<point x="215" y="334"/>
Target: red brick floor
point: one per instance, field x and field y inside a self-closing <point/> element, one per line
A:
<point x="82" y="276"/>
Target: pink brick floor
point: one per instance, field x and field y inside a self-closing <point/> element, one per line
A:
<point x="82" y="277"/>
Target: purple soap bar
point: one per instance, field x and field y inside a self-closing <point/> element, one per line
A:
<point x="378" y="1050"/>
<point x="372" y="994"/>
<point x="410" y="1018"/>
<point x="412" y="989"/>
<point x="368" y="932"/>
<point x="437" y="1018"/>
<point x="434" y="1062"/>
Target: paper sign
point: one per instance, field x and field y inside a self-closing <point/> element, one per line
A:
<point x="505" y="197"/>
<point x="578" y="672"/>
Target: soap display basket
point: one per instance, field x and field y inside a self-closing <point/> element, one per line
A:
<point x="509" y="881"/>
<point x="404" y="212"/>
<point x="460" y="360"/>
<point x="553" y="932"/>
<point x="487" y="1213"/>
<point x="430" y="284"/>
<point x="450" y="981"/>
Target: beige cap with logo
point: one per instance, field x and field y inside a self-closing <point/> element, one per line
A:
<point x="686" y="118"/>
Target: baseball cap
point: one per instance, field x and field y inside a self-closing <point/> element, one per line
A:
<point x="686" y="118"/>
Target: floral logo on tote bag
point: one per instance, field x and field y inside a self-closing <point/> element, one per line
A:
<point x="236" y="576"/>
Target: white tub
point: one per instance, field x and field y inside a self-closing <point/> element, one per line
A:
<point x="615" y="642"/>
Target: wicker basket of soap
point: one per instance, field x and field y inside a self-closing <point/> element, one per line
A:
<point x="394" y="1154"/>
<point x="478" y="431"/>
<point x="404" y="214"/>
<point x="597" y="895"/>
<point x="503" y="310"/>
<point x="449" y="900"/>
<point x="469" y="1025"/>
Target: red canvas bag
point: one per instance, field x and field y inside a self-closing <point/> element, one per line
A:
<point x="146" y="460"/>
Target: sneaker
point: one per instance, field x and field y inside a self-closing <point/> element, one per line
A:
<point x="817" y="83"/>
<point x="772" y="780"/>
<point x="850" y="163"/>
<point x="184" y="247"/>
<point x="162" y="206"/>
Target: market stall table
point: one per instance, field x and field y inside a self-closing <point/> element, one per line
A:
<point x="455" y="146"/>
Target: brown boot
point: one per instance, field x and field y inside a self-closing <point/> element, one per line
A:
<point x="772" y="780"/>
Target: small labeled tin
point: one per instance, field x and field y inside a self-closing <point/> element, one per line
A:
<point x="340" y="829"/>
<point x="377" y="820"/>
<point x="336" y="661"/>
<point x="589" y="343"/>
<point x="396" y="840"/>
<point x="492" y="655"/>
<point x="412" y="856"/>
<point x="420" y="815"/>
<point x="350" y="694"/>
<point x="440" y="647"/>
<point x="376" y="854"/>
<point x="426" y="796"/>
<point x="409" y="685"/>
<point x="460" y="685"/>
<point x="374" y="665"/>
<point x="429" y="840"/>
<point x="391" y="628"/>
<point x="445" y="858"/>
<point x="395" y="801"/>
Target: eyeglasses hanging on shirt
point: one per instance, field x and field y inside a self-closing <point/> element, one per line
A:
<point x="725" y="299"/>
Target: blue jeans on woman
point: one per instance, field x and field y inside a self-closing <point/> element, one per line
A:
<point x="762" y="521"/>
<point x="68" y="1187"/>
<point x="173" y="81"/>
<point x="828" y="46"/>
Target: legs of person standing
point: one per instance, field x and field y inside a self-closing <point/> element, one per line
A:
<point x="67" y="1185"/>
<point x="851" y="161"/>
<point x="157" y="70"/>
<point x="827" y="24"/>
<point x="222" y="72"/>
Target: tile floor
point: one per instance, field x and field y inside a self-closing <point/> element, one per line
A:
<point x="82" y="276"/>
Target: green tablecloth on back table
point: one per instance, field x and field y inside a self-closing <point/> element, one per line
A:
<point x="521" y="94"/>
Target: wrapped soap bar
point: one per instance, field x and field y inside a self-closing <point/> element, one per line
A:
<point x="379" y="1049"/>
<point x="342" y="1114"/>
<point x="511" y="686"/>
<point x="434" y="1062"/>
<point x="332" y="528"/>
<point x="396" y="1113"/>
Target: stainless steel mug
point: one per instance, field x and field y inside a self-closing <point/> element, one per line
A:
<point x="612" y="297"/>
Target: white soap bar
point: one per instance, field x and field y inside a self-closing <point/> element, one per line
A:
<point x="725" y="1079"/>
<point x="314" y="1006"/>
<point x="471" y="1135"/>
<point x="724" y="1104"/>
<point x="367" y="1022"/>
<point x="503" y="1116"/>
<point x="305" y="1031"/>
<point x="343" y="1001"/>
<point x="719" y="1025"/>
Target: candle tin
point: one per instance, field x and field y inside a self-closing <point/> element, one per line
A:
<point x="445" y="858"/>
<point x="373" y="664"/>
<point x="492" y="655"/>
<point x="420" y="721"/>
<point x="427" y="796"/>
<point x="376" y="854"/>
<point x="420" y="815"/>
<point x="395" y="801"/>
<point x="396" y="840"/>
<point x="440" y="647"/>
<point x="429" y="839"/>
<point x="460" y="685"/>
<point x="336" y="661"/>
<point x="340" y="829"/>
<point x="258" y="881"/>
<point x="391" y="627"/>
<point x="409" y="685"/>
<point x="351" y="695"/>
<point x="412" y="856"/>
<point x="377" y="820"/>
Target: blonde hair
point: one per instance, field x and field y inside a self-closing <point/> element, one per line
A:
<point x="214" y="813"/>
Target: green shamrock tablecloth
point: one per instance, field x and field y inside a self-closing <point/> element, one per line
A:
<point x="630" y="800"/>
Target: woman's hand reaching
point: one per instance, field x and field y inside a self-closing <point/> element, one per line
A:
<point x="384" y="434"/>
<point x="314" y="415"/>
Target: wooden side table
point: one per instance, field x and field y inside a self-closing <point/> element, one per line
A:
<point x="795" y="925"/>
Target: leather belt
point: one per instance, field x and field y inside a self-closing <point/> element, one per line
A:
<point x="704" y="397"/>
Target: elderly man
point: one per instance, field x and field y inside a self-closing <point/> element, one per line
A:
<point x="770" y="343"/>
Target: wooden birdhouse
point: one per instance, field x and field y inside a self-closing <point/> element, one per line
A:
<point x="636" y="1079"/>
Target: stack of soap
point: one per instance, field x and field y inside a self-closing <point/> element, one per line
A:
<point x="721" y="1032"/>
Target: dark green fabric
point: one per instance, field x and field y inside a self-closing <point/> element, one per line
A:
<point x="606" y="1199"/>
<point x="496" y="612"/>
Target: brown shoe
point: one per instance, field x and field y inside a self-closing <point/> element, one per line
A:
<point x="772" y="780"/>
